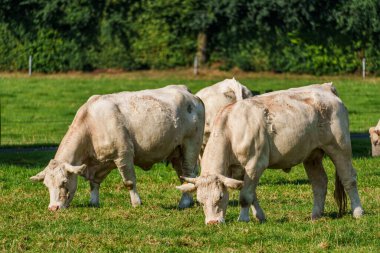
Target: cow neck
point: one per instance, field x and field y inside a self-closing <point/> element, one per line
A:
<point x="213" y="163"/>
<point x="73" y="146"/>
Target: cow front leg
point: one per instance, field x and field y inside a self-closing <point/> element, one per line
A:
<point x="128" y="175"/>
<point x="186" y="198"/>
<point x="94" y="195"/>
<point x="248" y="198"/>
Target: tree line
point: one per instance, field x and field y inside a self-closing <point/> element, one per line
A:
<point x="301" y="36"/>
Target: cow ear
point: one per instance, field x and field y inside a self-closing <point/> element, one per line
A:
<point x="75" y="169"/>
<point x="230" y="94"/>
<point x="230" y="182"/>
<point x="189" y="187"/>
<point x="371" y="130"/>
<point x="38" y="177"/>
<point x="192" y="180"/>
<point x="247" y="93"/>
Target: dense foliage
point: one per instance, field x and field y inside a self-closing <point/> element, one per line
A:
<point x="303" y="36"/>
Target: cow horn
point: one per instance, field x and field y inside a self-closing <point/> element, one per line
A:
<point x="189" y="179"/>
<point x="187" y="187"/>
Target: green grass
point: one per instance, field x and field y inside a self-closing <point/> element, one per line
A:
<point x="27" y="225"/>
<point x="38" y="110"/>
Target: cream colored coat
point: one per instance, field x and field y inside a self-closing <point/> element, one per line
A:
<point x="217" y="96"/>
<point x="375" y="134"/>
<point x="276" y="130"/>
<point x="122" y="130"/>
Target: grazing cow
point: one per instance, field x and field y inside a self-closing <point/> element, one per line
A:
<point x="374" y="133"/>
<point x="217" y="96"/>
<point x="122" y="130"/>
<point x="276" y="130"/>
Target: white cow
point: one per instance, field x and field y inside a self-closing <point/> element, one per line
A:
<point x="216" y="96"/>
<point x="375" y="134"/>
<point x="276" y="130"/>
<point x="123" y="129"/>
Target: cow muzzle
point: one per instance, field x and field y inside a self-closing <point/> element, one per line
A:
<point x="215" y="222"/>
<point x="53" y="208"/>
<point x="212" y="222"/>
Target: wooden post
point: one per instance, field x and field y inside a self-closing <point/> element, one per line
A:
<point x="30" y="65"/>
<point x="363" y="67"/>
<point x="196" y="65"/>
<point x="201" y="48"/>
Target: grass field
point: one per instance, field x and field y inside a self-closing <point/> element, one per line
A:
<point x="38" y="111"/>
<point x="27" y="225"/>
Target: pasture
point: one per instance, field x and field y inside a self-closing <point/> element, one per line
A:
<point x="36" y="111"/>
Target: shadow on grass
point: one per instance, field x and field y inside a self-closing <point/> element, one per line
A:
<point x="39" y="155"/>
<point x="27" y="159"/>
<point x="84" y="205"/>
<point x="285" y="182"/>
<point x="171" y="207"/>
<point x="361" y="145"/>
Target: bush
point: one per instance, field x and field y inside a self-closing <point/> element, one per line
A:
<point x="12" y="52"/>
<point x="314" y="59"/>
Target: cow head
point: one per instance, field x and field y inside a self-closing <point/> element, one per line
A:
<point x="61" y="180"/>
<point x="212" y="194"/>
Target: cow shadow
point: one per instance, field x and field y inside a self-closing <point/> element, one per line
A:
<point x="286" y="182"/>
<point x="172" y="207"/>
<point x="28" y="157"/>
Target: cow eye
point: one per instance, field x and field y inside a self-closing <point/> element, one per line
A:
<point x="220" y="196"/>
<point x="63" y="183"/>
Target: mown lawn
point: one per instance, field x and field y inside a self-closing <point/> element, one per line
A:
<point x="27" y="225"/>
<point x="38" y="110"/>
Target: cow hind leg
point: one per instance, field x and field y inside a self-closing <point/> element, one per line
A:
<point x="318" y="179"/>
<point x="128" y="175"/>
<point x="345" y="178"/>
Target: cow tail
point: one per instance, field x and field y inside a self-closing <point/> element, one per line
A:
<point x="340" y="195"/>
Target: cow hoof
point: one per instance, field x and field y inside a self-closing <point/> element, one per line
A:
<point x="93" y="204"/>
<point x="315" y="217"/>
<point x="136" y="203"/>
<point x="243" y="219"/>
<point x="135" y="198"/>
<point x="261" y="221"/>
<point x="358" y="212"/>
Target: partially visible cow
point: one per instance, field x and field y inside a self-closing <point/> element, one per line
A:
<point x="276" y="130"/>
<point x="375" y="139"/>
<point x="375" y="134"/>
<point x="122" y="130"/>
<point x="216" y="96"/>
